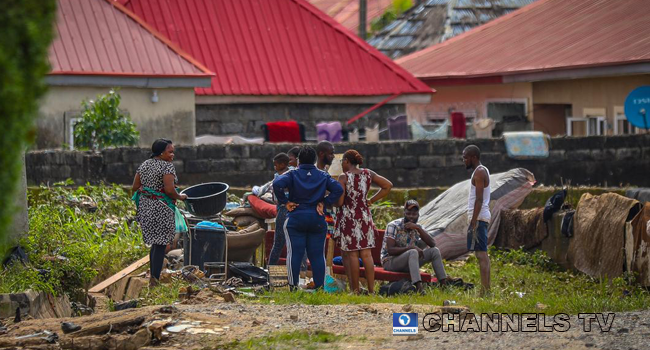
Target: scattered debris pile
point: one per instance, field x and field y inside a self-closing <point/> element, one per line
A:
<point x="130" y="326"/>
<point x="128" y="329"/>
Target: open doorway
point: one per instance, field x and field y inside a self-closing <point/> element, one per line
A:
<point x="551" y="118"/>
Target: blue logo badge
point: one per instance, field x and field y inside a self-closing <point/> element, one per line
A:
<point x="405" y="323"/>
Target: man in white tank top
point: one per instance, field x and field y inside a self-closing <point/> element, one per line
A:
<point x="478" y="212"/>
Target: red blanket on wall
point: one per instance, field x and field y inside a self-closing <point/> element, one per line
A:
<point x="284" y="132"/>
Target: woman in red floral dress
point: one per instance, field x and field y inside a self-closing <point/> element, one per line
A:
<point x="354" y="226"/>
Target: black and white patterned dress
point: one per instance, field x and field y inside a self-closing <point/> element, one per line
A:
<point x="155" y="217"/>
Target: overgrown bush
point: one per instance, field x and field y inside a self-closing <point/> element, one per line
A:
<point x="103" y="124"/>
<point x="383" y="212"/>
<point x="26" y="27"/>
<point x="77" y="237"/>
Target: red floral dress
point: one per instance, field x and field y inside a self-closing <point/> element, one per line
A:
<point x="354" y="226"/>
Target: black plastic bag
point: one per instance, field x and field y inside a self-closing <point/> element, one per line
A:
<point x="248" y="273"/>
<point x="567" y="223"/>
<point x="402" y="286"/>
<point x="554" y="204"/>
<point x="17" y="254"/>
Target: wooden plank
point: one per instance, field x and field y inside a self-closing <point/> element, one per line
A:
<point x="116" y="290"/>
<point x="330" y="254"/>
<point x="118" y="276"/>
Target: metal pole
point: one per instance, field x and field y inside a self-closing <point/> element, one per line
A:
<point x="363" y="7"/>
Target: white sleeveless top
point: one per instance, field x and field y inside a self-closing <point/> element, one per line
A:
<point x="484" y="215"/>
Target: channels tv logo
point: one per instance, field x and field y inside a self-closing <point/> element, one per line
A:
<point x="405" y="323"/>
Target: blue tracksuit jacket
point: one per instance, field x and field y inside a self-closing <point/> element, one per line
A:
<point x="307" y="186"/>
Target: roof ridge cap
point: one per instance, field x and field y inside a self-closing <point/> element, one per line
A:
<point x="376" y="54"/>
<point x="184" y="55"/>
<point x="472" y="31"/>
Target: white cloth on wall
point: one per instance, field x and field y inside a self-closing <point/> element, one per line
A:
<point x="372" y="134"/>
<point x="483" y="128"/>
<point x="420" y="133"/>
<point x="353" y="136"/>
<point x="226" y="140"/>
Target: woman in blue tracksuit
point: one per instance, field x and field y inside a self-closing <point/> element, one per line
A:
<point x="305" y="225"/>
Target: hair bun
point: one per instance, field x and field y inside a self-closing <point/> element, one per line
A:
<point x="353" y="157"/>
<point x="358" y="158"/>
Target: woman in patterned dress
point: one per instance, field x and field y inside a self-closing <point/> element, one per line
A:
<point x="154" y="181"/>
<point x="354" y="226"/>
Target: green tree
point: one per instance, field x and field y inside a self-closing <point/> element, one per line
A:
<point x="103" y="124"/>
<point x="26" y="27"/>
<point x="391" y="14"/>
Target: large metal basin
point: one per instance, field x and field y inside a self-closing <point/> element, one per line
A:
<point x="207" y="199"/>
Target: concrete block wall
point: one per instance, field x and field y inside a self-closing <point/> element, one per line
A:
<point x="246" y="119"/>
<point x="596" y="161"/>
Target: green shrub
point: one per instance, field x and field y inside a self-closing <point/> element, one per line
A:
<point x="103" y="124"/>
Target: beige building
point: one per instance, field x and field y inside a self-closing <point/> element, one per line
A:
<point x="155" y="79"/>
<point x="543" y="67"/>
<point x="477" y="102"/>
<point x="576" y="107"/>
<point x="172" y="115"/>
<point x="590" y="106"/>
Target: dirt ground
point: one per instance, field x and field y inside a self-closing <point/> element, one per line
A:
<point x="213" y="325"/>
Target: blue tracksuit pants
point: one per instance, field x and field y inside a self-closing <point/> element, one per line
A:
<point x="279" y="239"/>
<point x="306" y="231"/>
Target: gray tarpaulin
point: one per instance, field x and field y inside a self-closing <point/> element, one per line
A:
<point x="445" y="217"/>
<point x="640" y="194"/>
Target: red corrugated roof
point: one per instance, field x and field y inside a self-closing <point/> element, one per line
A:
<point x="546" y="35"/>
<point x="346" y="12"/>
<point x="275" y="47"/>
<point x="98" y="37"/>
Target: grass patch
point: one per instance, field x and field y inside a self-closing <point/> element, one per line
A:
<point x="512" y="271"/>
<point x="163" y="294"/>
<point x="288" y="340"/>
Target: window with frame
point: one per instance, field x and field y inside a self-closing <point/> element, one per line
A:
<point x="590" y="126"/>
<point x="593" y="123"/>
<point x="70" y="120"/>
<point x="621" y="125"/>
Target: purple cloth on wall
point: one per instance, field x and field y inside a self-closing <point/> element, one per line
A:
<point x="398" y="128"/>
<point x="329" y="132"/>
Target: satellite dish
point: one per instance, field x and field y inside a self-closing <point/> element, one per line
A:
<point x="637" y="106"/>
